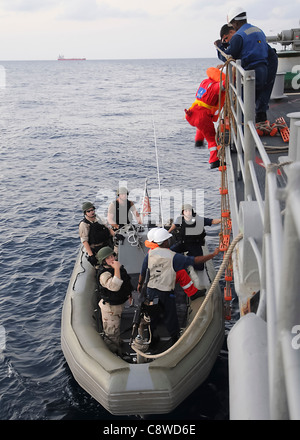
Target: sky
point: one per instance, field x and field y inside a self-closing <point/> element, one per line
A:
<point x="128" y="29"/>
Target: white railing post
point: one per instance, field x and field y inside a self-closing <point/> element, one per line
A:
<point x="239" y="114"/>
<point x="249" y="115"/>
<point x="289" y="304"/>
<point x="297" y="125"/>
<point x="294" y="138"/>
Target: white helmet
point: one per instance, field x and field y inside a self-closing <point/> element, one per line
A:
<point x="233" y="12"/>
<point x="160" y="235"/>
<point x="151" y="233"/>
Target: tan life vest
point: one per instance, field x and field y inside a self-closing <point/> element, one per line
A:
<point x="160" y="265"/>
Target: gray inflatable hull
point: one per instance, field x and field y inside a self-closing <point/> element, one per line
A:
<point x="136" y="389"/>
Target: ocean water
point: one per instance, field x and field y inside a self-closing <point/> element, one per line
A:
<point x="71" y="132"/>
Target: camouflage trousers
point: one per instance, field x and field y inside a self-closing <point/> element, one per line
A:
<point x="111" y="321"/>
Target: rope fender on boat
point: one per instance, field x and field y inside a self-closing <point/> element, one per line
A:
<point x="215" y="282"/>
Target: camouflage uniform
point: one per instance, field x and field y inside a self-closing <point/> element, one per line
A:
<point x="111" y="321"/>
<point x="114" y="292"/>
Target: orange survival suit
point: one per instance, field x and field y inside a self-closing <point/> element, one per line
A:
<point x="204" y="111"/>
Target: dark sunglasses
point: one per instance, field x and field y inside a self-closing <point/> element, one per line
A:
<point x="89" y="210"/>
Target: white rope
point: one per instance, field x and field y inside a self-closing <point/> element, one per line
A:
<point x="198" y="314"/>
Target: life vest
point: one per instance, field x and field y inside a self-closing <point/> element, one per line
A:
<point x="255" y="47"/>
<point x="122" y="217"/>
<point x="150" y="244"/>
<point x="204" y="97"/>
<point x="193" y="232"/>
<point x="119" y="297"/>
<point x="160" y="264"/>
<point x="98" y="233"/>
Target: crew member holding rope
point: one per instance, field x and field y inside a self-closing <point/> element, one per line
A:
<point x="182" y="277"/>
<point x="249" y="44"/>
<point x="163" y="265"/>
<point x="262" y="102"/>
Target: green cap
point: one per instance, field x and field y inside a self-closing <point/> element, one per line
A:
<point x="186" y="206"/>
<point x="122" y="190"/>
<point x="104" y="253"/>
<point x="86" y="206"/>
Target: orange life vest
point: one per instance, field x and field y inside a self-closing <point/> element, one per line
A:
<point x="204" y="98"/>
<point x="150" y="244"/>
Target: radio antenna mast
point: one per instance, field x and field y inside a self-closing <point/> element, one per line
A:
<point x="158" y="177"/>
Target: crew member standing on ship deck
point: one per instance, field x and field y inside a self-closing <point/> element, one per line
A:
<point x="249" y="44"/>
<point x="262" y="102"/>
<point x="163" y="265"/>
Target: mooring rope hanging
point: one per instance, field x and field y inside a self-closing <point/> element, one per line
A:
<point x="223" y="139"/>
<point x="226" y="223"/>
<point x="214" y="284"/>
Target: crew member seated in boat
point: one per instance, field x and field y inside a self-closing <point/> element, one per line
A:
<point x="121" y="211"/>
<point x="191" y="232"/>
<point x="262" y="102"/>
<point x="94" y="234"/>
<point x="163" y="265"/>
<point x="205" y="111"/>
<point x="115" y="289"/>
<point x="182" y="277"/>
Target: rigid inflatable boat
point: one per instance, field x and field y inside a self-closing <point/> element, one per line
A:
<point x="140" y="383"/>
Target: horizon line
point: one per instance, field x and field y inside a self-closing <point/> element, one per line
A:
<point x="113" y="59"/>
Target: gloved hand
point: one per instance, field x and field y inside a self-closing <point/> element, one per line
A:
<point x="119" y="237"/>
<point x="93" y="260"/>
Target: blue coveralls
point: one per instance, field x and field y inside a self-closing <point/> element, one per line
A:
<point x="249" y="44"/>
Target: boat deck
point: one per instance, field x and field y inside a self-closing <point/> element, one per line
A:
<point x="165" y="342"/>
<point x="183" y="306"/>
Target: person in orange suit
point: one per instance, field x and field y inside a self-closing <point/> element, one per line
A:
<point x="205" y="110"/>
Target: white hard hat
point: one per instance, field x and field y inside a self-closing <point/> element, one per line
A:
<point x="150" y="234"/>
<point x="160" y="235"/>
<point x="233" y="12"/>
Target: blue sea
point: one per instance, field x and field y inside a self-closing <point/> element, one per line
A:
<point x="71" y="132"/>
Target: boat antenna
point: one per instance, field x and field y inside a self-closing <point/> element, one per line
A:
<point x="161" y="220"/>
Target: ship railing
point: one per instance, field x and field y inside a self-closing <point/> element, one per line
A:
<point x="278" y="253"/>
<point x="246" y="140"/>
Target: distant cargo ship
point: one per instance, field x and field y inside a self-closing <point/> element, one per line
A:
<point x="62" y="58"/>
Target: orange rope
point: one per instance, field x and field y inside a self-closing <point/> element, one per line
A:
<point x="223" y="140"/>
